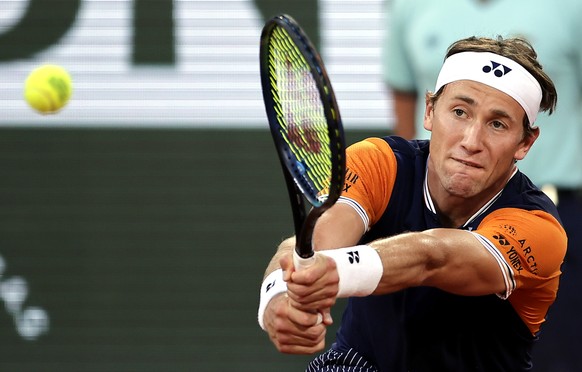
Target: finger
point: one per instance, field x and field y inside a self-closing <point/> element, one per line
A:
<point x="314" y="306"/>
<point x="326" y="315"/>
<point x="308" y="299"/>
<point x="322" y="267"/>
<point x="304" y="319"/>
<point x="290" y="344"/>
<point x="316" y="292"/>
<point x="293" y="334"/>
<point x="286" y="263"/>
<point x="293" y="331"/>
<point x="323" y="314"/>
<point x="319" y="318"/>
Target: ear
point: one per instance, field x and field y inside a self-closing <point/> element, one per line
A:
<point x="527" y="143"/>
<point x="428" y="113"/>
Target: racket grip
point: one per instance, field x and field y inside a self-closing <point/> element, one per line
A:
<point x="302" y="263"/>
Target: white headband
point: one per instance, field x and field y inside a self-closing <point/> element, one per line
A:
<point x="498" y="72"/>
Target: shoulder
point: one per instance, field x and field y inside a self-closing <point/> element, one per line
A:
<point x="391" y="146"/>
<point x="535" y="235"/>
<point x="405" y="147"/>
<point x="406" y="156"/>
<point x="526" y="221"/>
<point x="531" y="245"/>
<point x="371" y="161"/>
<point x="375" y="166"/>
<point x="520" y="192"/>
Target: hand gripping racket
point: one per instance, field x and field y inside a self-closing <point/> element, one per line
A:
<point x="305" y="125"/>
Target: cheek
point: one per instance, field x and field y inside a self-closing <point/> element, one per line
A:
<point x="438" y="149"/>
<point x="503" y="160"/>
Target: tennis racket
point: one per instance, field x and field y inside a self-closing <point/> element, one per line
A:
<point x="305" y="124"/>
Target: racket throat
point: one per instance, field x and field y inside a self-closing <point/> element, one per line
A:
<point x="304" y="242"/>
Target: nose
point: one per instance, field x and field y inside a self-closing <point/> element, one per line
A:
<point x="472" y="137"/>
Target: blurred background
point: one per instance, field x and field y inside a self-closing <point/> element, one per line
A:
<point x="135" y="224"/>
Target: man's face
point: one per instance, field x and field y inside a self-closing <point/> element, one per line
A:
<point x="477" y="132"/>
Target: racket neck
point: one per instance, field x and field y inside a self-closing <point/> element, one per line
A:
<point x="304" y="241"/>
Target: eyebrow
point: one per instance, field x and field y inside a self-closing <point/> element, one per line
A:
<point x="471" y="101"/>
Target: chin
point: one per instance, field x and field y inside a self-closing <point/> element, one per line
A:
<point x="461" y="188"/>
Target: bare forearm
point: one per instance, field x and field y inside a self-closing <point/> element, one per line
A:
<point x="449" y="259"/>
<point x="284" y="249"/>
<point x="406" y="261"/>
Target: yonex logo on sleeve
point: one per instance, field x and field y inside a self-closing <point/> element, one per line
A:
<point x="501" y="239"/>
<point x="498" y="69"/>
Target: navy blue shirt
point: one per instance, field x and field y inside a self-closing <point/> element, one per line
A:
<point x="427" y="329"/>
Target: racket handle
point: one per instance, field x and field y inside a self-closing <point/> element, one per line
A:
<point x="302" y="263"/>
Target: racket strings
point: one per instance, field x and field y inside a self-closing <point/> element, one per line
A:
<point x="301" y="116"/>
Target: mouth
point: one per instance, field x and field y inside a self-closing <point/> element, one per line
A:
<point x="468" y="163"/>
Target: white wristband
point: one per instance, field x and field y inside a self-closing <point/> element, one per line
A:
<point x="272" y="286"/>
<point x="359" y="268"/>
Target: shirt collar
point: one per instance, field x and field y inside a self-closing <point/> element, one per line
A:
<point x="430" y="205"/>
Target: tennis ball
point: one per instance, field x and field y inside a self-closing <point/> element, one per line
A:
<point x="48" y="88"/>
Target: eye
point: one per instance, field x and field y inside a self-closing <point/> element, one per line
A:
<point x="458" y="112"/>
<point x="498" y="124"/>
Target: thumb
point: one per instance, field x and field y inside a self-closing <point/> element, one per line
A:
<point x="327" y="319"/>
<point x="286" y="263"/>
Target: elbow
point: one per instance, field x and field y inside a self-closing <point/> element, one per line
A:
<point x="434" y="260"/>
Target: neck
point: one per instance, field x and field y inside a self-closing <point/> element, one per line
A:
<point x="454" y="210"/>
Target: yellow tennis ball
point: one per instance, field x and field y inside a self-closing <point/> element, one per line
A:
<point x="48" y="88"/>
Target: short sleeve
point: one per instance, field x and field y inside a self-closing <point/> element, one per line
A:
<point x="370" y="177"/>
<point x="531" y="246"/>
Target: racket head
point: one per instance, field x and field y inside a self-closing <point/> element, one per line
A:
<point x="303" y="114"/>
<point x="304" y="118"/>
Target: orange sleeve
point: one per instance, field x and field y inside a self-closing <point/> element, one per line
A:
<point x="370" y="176"/>
<point x="533" y="245"/>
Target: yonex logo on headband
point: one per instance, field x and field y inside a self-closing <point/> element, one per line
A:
<point x="497" y="69"/>
<point x="489" y="68"/>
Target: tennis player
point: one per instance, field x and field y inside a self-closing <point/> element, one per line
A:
<point x="449" y="255"/>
